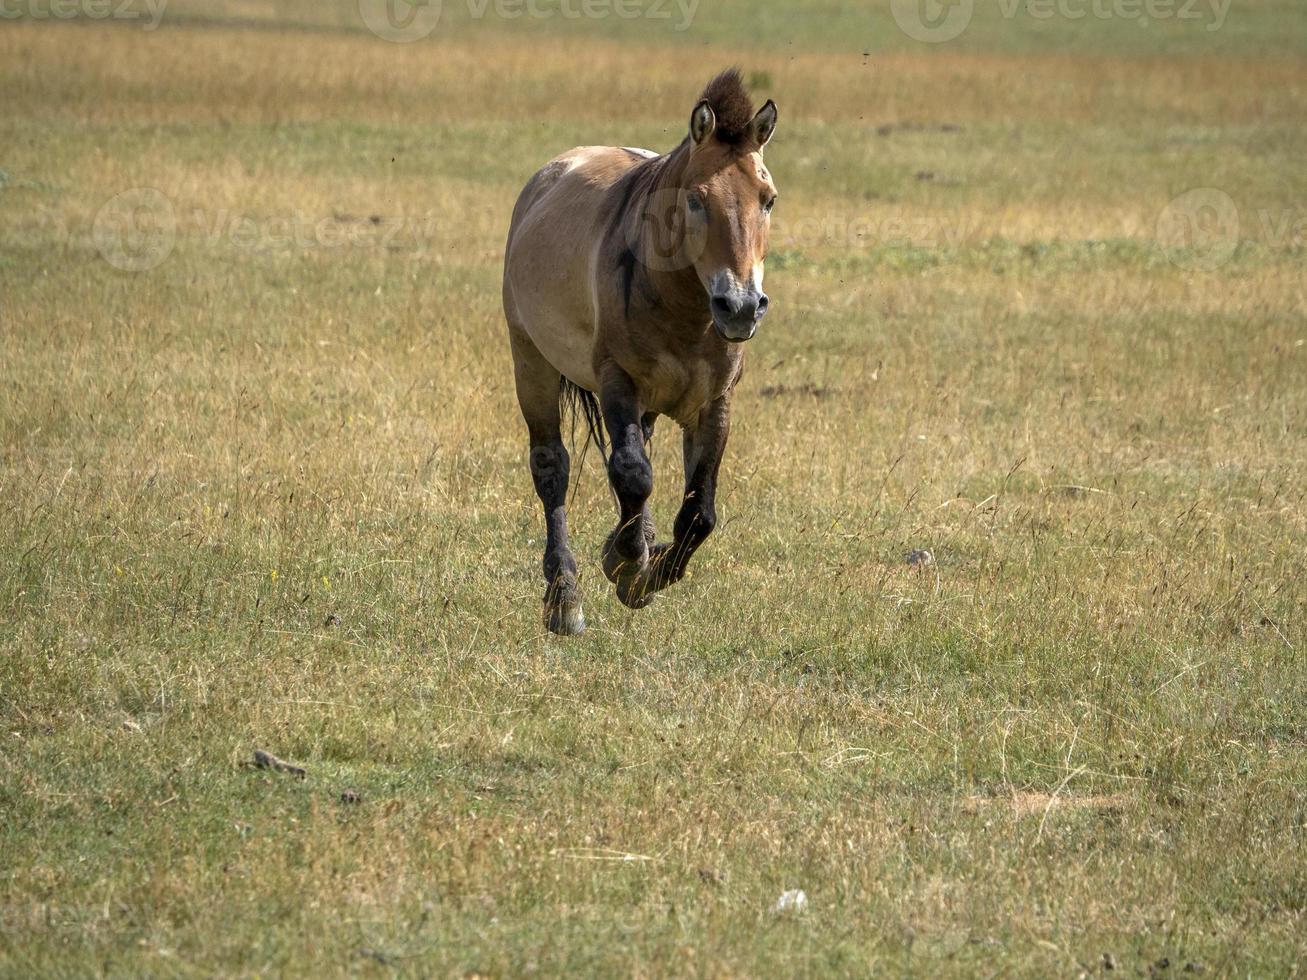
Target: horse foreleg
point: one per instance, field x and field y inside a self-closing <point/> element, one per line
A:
<point x="704" y="445"/>
<point x="647" y="425"/>
<point x="626" y="552"/>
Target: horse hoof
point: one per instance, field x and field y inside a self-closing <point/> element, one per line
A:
<point x="565" y="619"/>
<point x="616" y="568"/>
<point x="634" y="595"/>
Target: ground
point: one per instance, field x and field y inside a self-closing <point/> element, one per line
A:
<point x="1037" y="308"/>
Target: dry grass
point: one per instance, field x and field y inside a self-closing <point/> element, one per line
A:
<point x="272" y="495"/>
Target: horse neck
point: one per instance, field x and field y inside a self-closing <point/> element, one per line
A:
<point x="678" y="291"/>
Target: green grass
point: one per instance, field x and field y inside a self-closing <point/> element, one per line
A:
<point x="273" y="494"/>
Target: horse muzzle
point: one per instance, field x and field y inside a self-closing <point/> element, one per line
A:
<point x="736" y="313"/>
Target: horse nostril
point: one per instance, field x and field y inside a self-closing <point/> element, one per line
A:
<point x="762" y="307"/>
<point x="722" y="307"/>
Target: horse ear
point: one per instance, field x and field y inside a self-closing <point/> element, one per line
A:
<point x="764" y="124"/>
<point x="702" y="122"/>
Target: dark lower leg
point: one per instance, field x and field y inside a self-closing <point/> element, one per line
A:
<point x="538" y="395"/>
<point x="550" y="467"/>
<point x="626" y="550"/>
<point x="697" y="517"/>
<point x="647" y="425"/>
<point x="549" y="471"/>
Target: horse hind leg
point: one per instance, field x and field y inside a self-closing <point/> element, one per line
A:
<point x="538" y="393"/>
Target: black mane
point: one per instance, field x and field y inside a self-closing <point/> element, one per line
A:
<point x="731" y="104"/>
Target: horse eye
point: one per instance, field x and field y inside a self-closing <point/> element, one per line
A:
<point x="770" y="204"/>
<point x="694" y="203"/>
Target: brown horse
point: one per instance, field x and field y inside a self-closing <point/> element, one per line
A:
<point x="637" y="277"/>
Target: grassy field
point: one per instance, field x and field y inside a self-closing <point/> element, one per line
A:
<point x="264" y="486"/>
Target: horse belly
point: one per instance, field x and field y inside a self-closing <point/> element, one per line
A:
<point x="549" y="288"/>
<point x="565" y="343"/>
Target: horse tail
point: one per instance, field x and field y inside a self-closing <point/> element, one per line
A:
<point x="578" y="402"/>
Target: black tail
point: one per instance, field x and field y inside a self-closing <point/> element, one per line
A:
<point x="576" y="401"/>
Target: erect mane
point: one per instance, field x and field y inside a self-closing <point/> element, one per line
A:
<point x="730" y="104"/>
